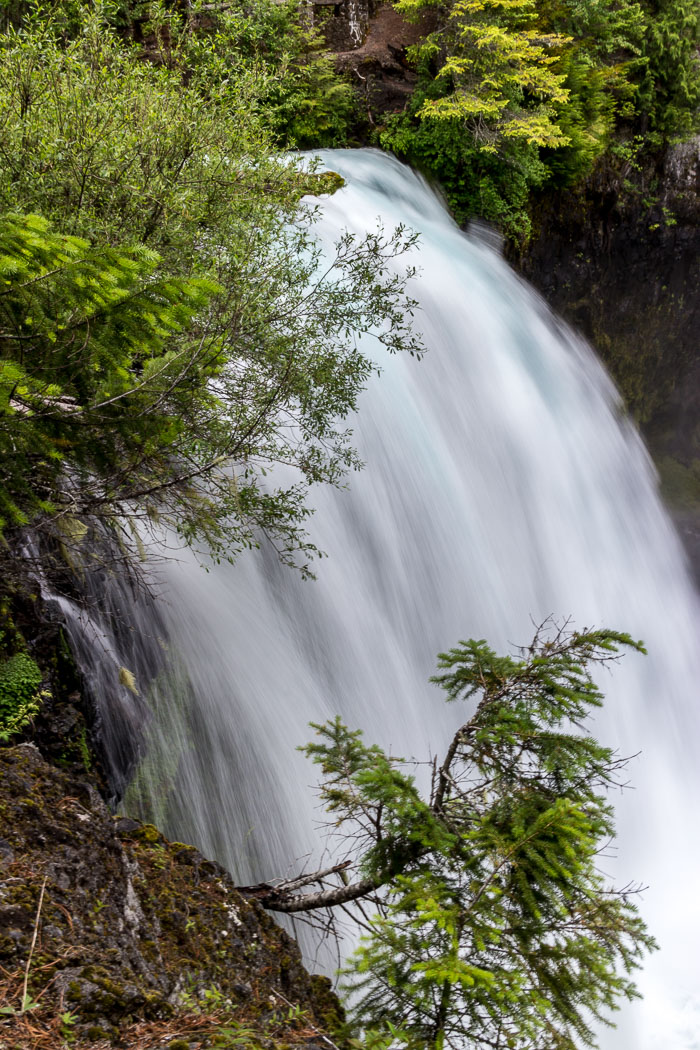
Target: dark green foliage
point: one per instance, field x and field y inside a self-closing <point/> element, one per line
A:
<point x="492" y="187"/>
<point x="496" y="926"/>
<point x="304" y="102"/>
<point x="262" y="361"/>
<point x="308" y="105"/>
<point x="670" y="90"/>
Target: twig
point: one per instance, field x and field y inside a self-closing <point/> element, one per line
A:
<point x="31" y="948"/>
<point x="310" y="1024"/>
<point x="265" y="889"/>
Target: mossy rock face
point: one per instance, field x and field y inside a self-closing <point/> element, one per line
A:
<point x="323" y="183"/>
<point x="134" y="931"/>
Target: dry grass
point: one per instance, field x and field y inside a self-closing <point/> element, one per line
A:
<point x="45" y="1026"/>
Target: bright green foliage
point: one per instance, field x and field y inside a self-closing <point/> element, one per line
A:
<point x="495" y="187"/>
<point x="89" y="382"/>
<point x="20" y="700"/>
<point x="496" y="927"/>
<point x="486" y="103"/>
<point x="116" y="149"/>
<point x="547" y="87"/>
<point x="365" y="786"/>
<point x="120" y="151"/>
<point x="304" y="103"/>
<point x="500" y="69"/>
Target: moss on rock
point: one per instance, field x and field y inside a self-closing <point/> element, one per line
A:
<point x="135" y="931"/>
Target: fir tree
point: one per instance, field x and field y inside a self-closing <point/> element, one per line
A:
<point x="495" y="926"/>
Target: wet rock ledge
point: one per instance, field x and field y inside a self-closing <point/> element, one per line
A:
<point x="126" y="939"/>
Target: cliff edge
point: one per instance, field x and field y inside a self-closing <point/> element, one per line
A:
<point x="111" y="935"/>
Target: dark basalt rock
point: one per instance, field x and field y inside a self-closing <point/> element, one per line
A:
<point x="620" y="259"/>
<point x="133" y="930"/>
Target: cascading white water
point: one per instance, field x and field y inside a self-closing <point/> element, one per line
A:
<point x="503" y="485"/>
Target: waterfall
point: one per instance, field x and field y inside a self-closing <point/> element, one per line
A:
<point x="503" y="484"/>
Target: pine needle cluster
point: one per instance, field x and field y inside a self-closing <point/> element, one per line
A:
<point x="496" y="926"/>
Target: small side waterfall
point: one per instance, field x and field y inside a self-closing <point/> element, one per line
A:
<point x="503" y="485"/>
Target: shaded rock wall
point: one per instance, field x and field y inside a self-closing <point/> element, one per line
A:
<point x="624" y="268"/>
<point x="343" y="22"/>
<point x="378" y="66"/>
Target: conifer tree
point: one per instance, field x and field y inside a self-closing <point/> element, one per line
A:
<point x="495" y="926"/>
<point x="670" y="92"/>
<point x="499" y="64"/>
<point x="92" y="392"/>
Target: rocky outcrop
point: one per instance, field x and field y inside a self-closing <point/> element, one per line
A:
<point x="378" y="65"/>
<point x="125" y="938"/>
<point x="344" y="23"/>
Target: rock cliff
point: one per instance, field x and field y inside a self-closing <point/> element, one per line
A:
<point x="111" y="935"/>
